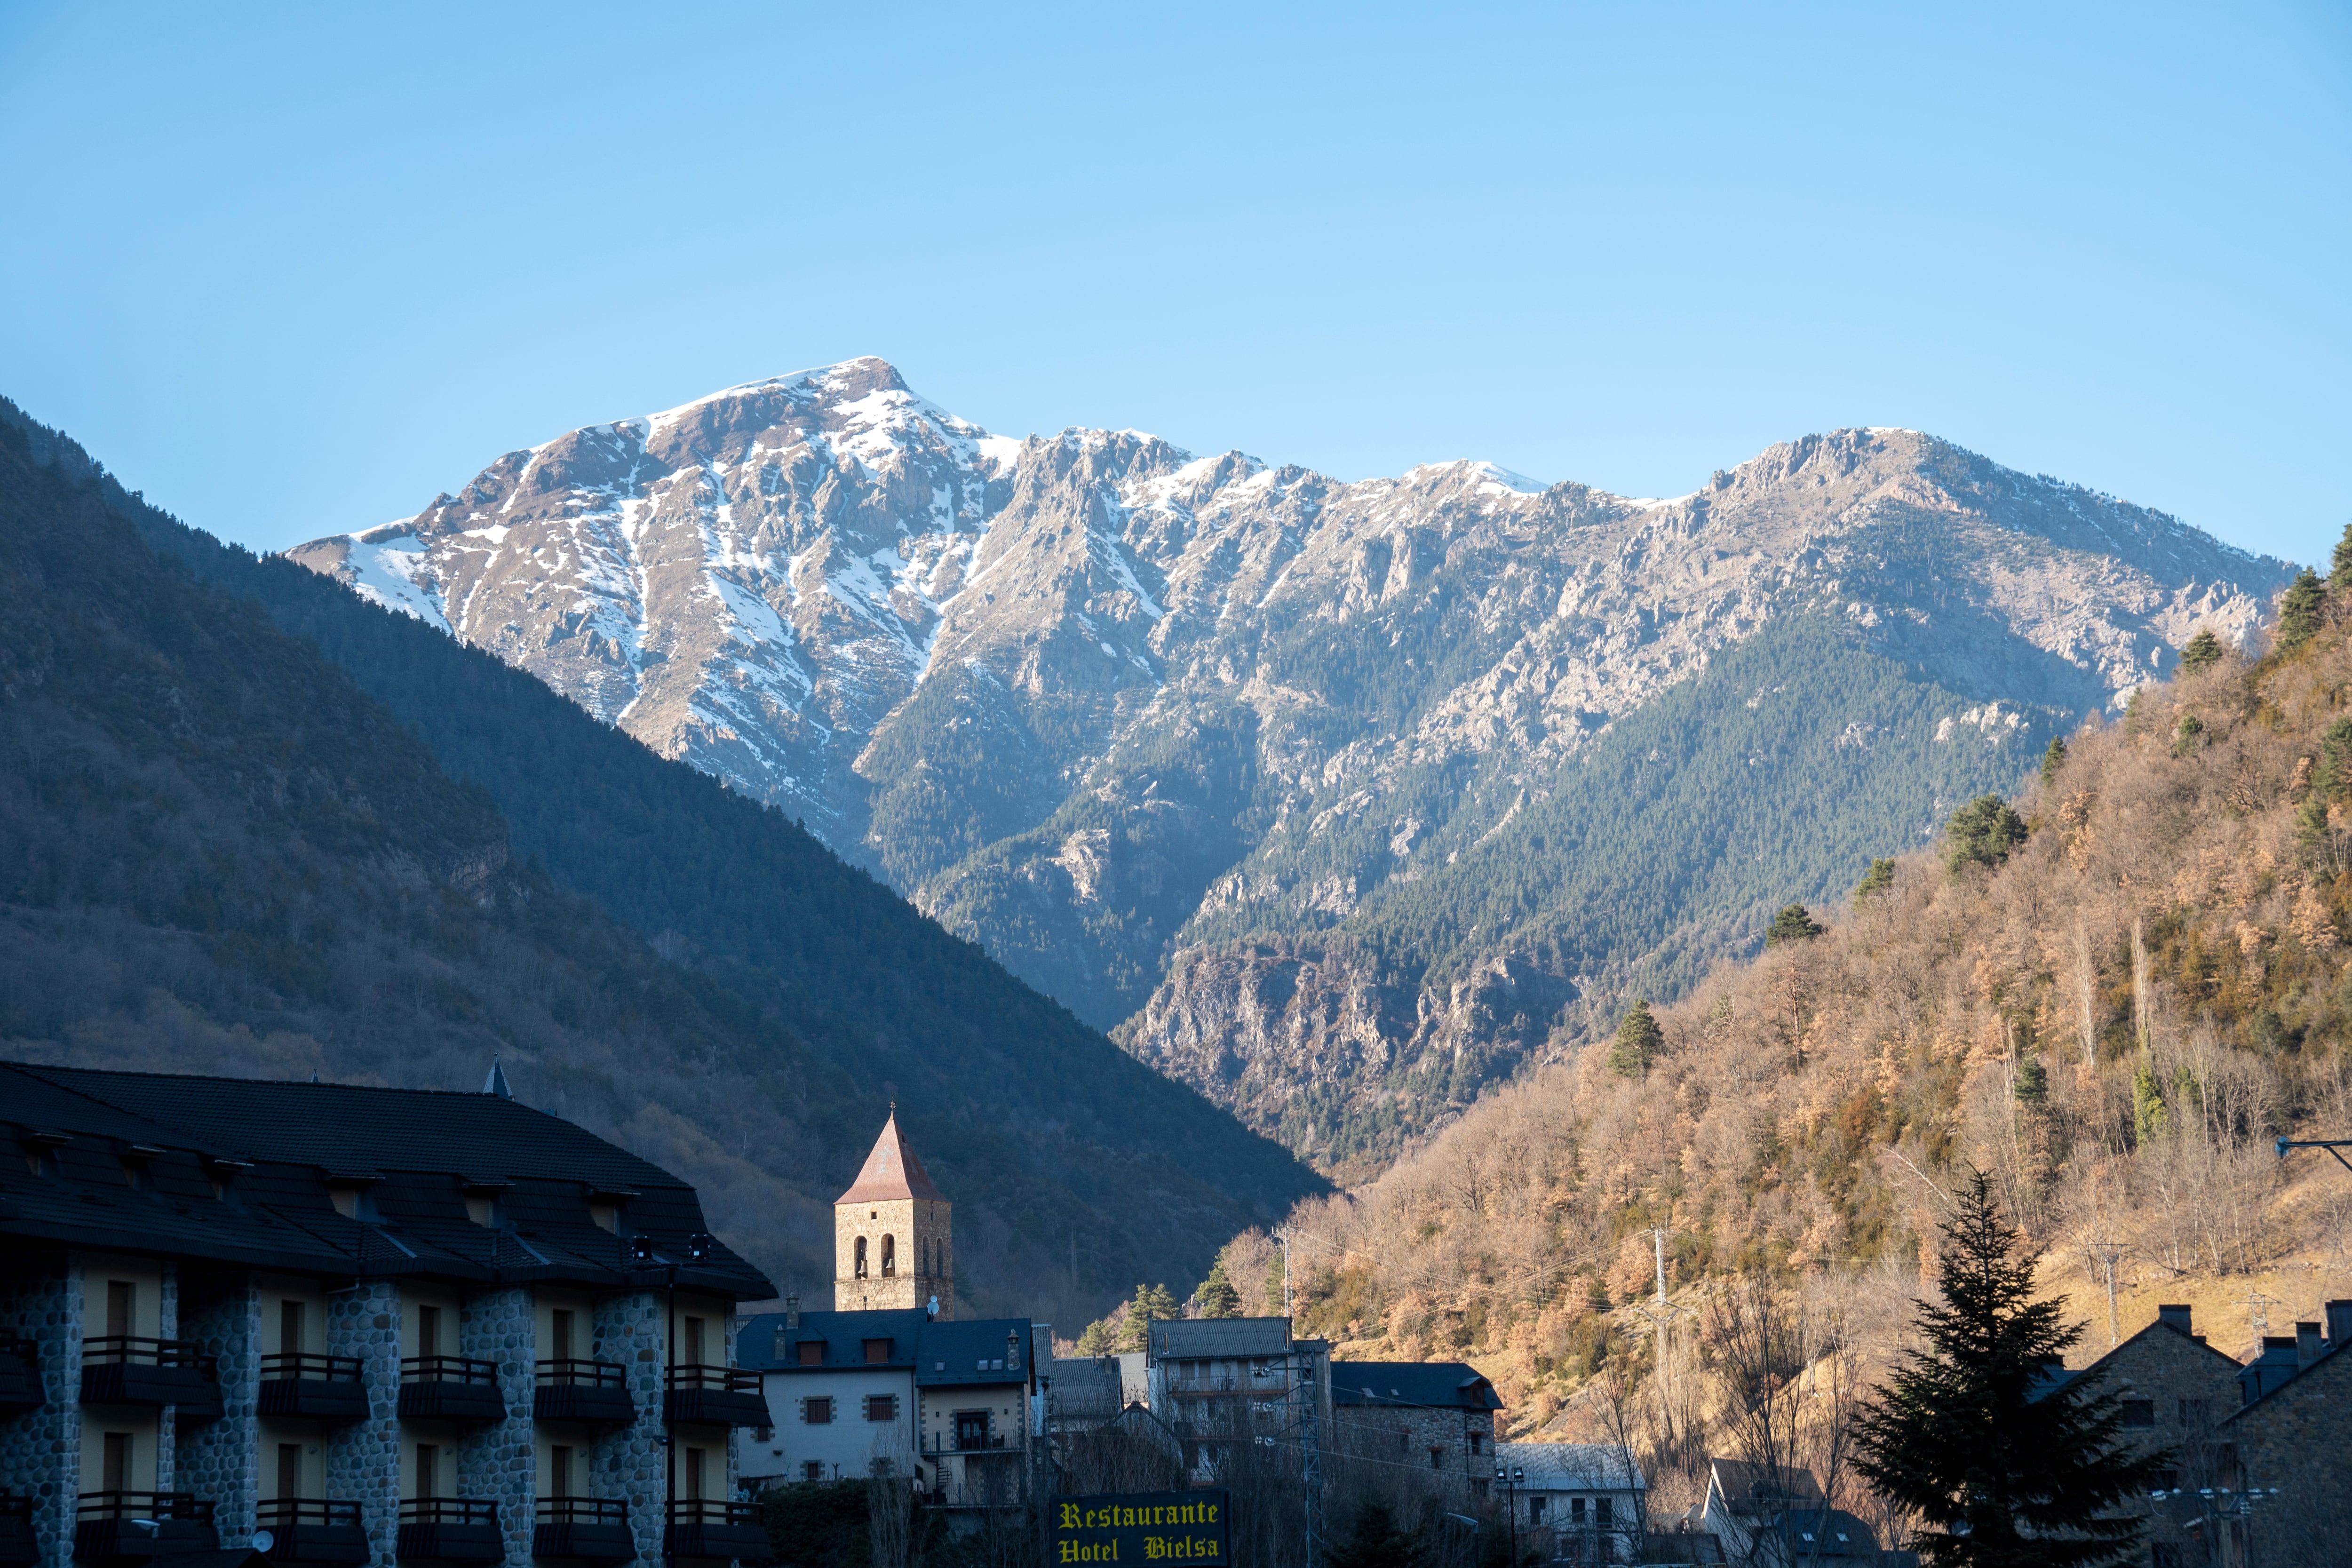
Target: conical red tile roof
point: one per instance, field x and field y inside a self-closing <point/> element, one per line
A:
<point x="891" y="1171"/>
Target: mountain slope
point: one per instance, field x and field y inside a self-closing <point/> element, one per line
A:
<point x="229" y="857"/>
<point x="1108" y="708"/>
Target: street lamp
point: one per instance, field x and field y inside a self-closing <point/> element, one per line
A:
<point x="1512" y="1480"/>
<point x="2222" y="1506"/>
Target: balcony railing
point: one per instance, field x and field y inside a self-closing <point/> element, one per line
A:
<point x="131" y="1527"/>
<point x="18" y="1546"/>
<point x="595" y="1391"/>
<point x="962" y="1442"/>
<point x="451" y="1530"/>
<point x="321" y="1387"/>
<point x="20" y="1375"/>
<point x="134" y="1369"/>
<point x="313" y="1530"/>
<point x="718" y="1396"/>
<point x="595" y="1529"/>
<point x="451" y="1387"/>
<point x="712" y="1527"/>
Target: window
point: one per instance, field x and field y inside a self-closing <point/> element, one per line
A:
<point x="812" y="1352"/>
<point x="290" y="1327"/>
<point x="1437" y="1458"/>
<point x="881" y="1407"/>
<point x="1405" y="1439"/>
<point x="1576" y="1511"/>
<point x="858" y="1264"/>
<point x="2139" y="1412"/>
<point x="559" y="1470"/>
<point x="817" y="1411"/>
<point x="1477" y="1442"/>
<point x="428" y="1470"/>
<point x="290" y="1469"/>
<point x="877" y="1351"/>
<point x="971" y="1428"/>
<point x="812" y="1470"/>
<point x="559" y="1336"/>
<point x="1603" y="1509"/>
<point x="889" y="1256"/>
<point x="694" y="1356"/>
<point x="115" y="1473"/>
<point x="122" y="1297"/>
<point x="2196" y="1412"/>
<point x="429" y="1338"/>
<point x="697" y="1468"/>
<point x="1536" y="1509"/>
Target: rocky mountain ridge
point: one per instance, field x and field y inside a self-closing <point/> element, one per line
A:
<point x="1135" y="719"/>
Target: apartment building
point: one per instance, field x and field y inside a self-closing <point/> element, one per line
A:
<point x="344" y="1325"/>
<point x="1434" y="1414"/>
<point x="1218" y="1383"/>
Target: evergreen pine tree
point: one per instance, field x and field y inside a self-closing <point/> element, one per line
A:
<point x="1217" y="1297"/>
<point x="2052" y="759"/>
<point x="2299" y="610"/>
<point x="1793" y="923"/>
<point x="2033" y="1082"/>
<point x="2337" y="569"/>
<point x="1152" y="1304"/>
<point x="1638" y="1041"/>
<point x="1273" y="1278"/>
<point x="2147" y="1104"/>
<point x="1877" y="879"/>
<point x="2203" y="651"/>
<point x="1997" y="1474"/>
<point x="1982" y="833"/>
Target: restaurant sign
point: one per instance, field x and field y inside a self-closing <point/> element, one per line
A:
<point x="1173" y="1528"/>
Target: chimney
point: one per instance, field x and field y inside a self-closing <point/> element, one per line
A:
<point x="2308" y="1346"/>
<point x="792" y="1311"/>
<point x="2175" y="1317"/>
<point x="2339" y="1323"/>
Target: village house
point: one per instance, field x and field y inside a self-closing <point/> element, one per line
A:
<point x="1438" y="1414"/>
<point x="1578" y="1501"/>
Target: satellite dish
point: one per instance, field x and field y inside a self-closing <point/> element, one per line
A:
<point x="263" y="1541"/>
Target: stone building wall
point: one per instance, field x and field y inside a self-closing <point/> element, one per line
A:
<point x="631" y="1461"/>
<point x="499" y="1461"/>
<point x="364" y="1459"/>
<point x="167" y="1424"/>
<point x="2298" y="1438"/>
<point x="2191" y="1387"/>
<point x="41" y="1299"/>
<point x="1405" y="1435"/>
<point x="220" y="1310"/>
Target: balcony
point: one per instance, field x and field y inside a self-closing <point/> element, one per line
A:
<point x="707" y="1526"/>
<point x="964" y="1442"/>
<point x="313" y="1530"/>
<point x="450" y="1388"/>
<point x="451" y="1530"/>
<point x="321" y="1387"/>
<point x="594" y="1391"/>
<point x="18" y="1547"/>
<point x="121" y="1528"/>
<point x="717" y="1396"/>
<point x="593" y="1529"/>
<point x="20" y="1375"/>
<point x="130" y="1369"/>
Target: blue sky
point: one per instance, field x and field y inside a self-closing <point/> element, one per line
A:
<point x="296" y="270"/>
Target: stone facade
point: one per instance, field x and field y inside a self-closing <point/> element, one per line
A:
<point x="631" y="1462"/>
<point x="364" y="1459"/>
<point x="221" y="1312"/>
<point x="41" y="1299"/>
<point x="499" y="1461"/>
<point x="2298" y="1438"/>
<point x="1457" y="1445"/>
<point x="2176" y="1391"/>
<point x="914" y="1237"/>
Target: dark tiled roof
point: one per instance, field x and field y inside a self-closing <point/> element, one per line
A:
<point x="275" y="1206"/>
<point x="939" y="1354"/>
<point x="1416" y="1384"/>
<point x="343" y="1126"/>
<point x="1204" y="1339"/>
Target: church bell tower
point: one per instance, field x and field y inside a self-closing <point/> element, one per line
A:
<point x="893" y="1239"/>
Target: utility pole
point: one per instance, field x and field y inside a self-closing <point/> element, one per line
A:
<point x="2109" y="1252"/>
<point x="2257" y="1306"/>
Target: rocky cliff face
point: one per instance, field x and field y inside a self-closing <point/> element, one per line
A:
<point x="1168" y="733"/>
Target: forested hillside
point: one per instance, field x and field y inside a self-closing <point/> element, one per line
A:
<point x="223" y="855"/>
<point x="2111" y="997"/>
